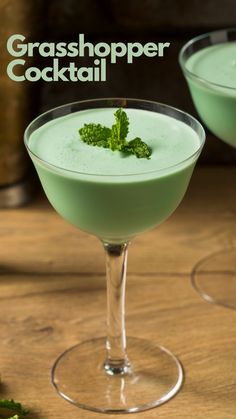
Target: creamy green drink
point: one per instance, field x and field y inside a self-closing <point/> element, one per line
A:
<point x="208" y="62"/>
<point x="115" y="168"/>
<point x="211" y="76"/>
<point x="110" y="194"/>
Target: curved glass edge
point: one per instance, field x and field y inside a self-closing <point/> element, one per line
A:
<point x="152" y="106"/>
<point x="205" y="40"/>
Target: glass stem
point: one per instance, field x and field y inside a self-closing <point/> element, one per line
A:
<point x="116" y="262"/>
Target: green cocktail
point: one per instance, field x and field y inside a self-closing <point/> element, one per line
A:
<point x="106" y="193"/>
<point x="209" y="65"/>
<point x="115" y="196"/>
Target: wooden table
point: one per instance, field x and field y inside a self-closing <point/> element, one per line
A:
<point x="52" y="295"/>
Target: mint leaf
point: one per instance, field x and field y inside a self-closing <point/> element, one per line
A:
<point x="14" y="407"/>
<point x="115" y="137"/>
<point x="139" y="148"/>
<point x="95" y="134"/>
<point x="119" y="131"/>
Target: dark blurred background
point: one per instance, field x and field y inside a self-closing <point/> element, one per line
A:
<point x="107" y="21"/>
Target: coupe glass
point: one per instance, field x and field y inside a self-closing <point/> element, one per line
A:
<point x="102" y="374"/>
<point x="216" y="105"/>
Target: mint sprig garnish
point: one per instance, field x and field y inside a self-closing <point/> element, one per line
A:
<point x="15" y="409"/>
<point x="95" y="134"/>
<point x="138" y="147"/>
<point x="119" y="131"/>
<point x="115" y="137"/>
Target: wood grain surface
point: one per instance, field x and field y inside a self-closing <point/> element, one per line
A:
<point x="52" y="295"/>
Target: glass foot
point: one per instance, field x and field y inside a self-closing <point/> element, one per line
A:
<point x="214" y="278"/>
<point x="155" y="376"/>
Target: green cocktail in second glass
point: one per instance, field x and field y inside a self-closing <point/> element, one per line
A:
<point x="115" y="196"/>
<point x="209" y="65"/>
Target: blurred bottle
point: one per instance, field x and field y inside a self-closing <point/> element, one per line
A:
<point x="16" y="17"/>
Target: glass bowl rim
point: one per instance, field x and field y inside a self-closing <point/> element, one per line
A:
<point x="53" y="167"/>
